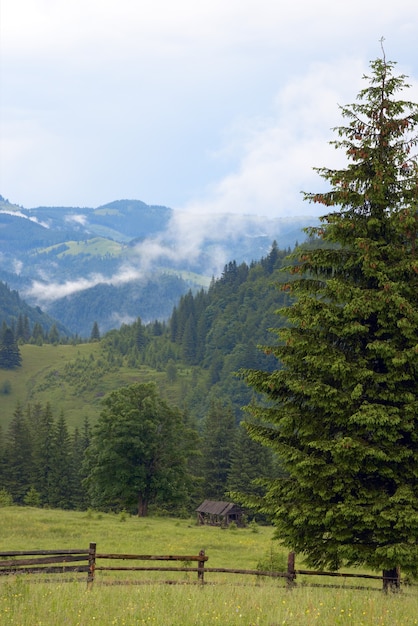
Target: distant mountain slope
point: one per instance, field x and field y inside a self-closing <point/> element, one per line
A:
<point x="112" y="305"/>
<point x="12" y="306"/>
<point x="125" y="259"/>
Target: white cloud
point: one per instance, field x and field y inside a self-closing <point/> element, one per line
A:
<point x="204" y="105"/>
<point x="31" y="218"/>
<point x="77" y="219"/>
<point x="46" y="291"/>
<point x="278" y="154"/>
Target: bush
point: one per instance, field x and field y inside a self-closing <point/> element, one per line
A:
<point x="6" y="388"/>
<point x="273" y="561"/>
<point x="32" y="498"/>
<point x="253" y="526"/>
<point x="5" y="498"/>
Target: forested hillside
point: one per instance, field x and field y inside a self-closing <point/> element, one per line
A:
<point x="213" y="333"/>
<point x="15" y="312"/>
<point x="193" y="358"/>
<point x="125" y="259"/>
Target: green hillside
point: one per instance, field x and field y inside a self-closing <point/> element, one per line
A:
<point x="74" y="379"/>
<point x="193" y="357"/>
<point x="12" y="306"/>
<point x="96" y="246"/>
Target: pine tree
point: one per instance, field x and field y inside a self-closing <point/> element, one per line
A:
<point x="41" y="425"/>
<point x="251" y="464"/>
<point x="95" y="332"/>
<point x="17" y="457"/>
<point x="218" y="437"/>
<point x="53" y="335"/>
<point x="60" y="478"/>
<point x="38" y="334"/>
<point x="9" y="350"/>
<point x="80" y="441"/>
<point x="342" y="409"/>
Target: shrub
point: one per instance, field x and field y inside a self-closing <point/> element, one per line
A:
<point x="5" y="498"/>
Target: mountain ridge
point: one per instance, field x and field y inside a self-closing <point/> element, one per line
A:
<point x="104" y="264"/>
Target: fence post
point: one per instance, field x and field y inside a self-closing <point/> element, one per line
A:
<point x="291" y="574"/>
<point x="92" y="565"/>
<point x="201" y="568"/>
<point x="392" y="579"/>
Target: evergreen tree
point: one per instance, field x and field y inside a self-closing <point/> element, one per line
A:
<point x="251" y="464"/>
<point x="342" y="411"/>
<point x="9" y="350"/>
<point x="41" y="426"/>
<point x="218" y="436"/>
<point x="140" y="336"/>
<point x="20" y="332"/>
<point x="17" y="457"/>
<point x="95" y="332"/>
<point x="2" y="459"/>
<point x="60" y="478"/>
<point x="79" y="443"/>
<point x="26" y="328"/>
<point x="38" y="334"/>
<point x="53" y="335"/>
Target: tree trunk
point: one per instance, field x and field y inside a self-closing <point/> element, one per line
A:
<point x="142" y="506"/>
<point x="391" y="579"/>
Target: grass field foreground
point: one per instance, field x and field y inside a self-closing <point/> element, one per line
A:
<point x="225" y="599"/>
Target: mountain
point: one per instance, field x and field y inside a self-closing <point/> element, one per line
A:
<point x="125" y="259"/>
<point x="12" y="307"/>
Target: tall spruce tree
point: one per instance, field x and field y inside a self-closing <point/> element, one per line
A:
<point x="9" y="350"/>
<point x="17" y="457"/>
<point x="342" y="408"/>
<point x="218" y="440"/>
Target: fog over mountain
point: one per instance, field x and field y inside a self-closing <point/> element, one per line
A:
<point x="55" y="256"/>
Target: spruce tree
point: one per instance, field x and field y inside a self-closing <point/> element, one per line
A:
<point x="60" y="478"/>
<point x="218" y="437"/>
<point x="17" y="457"/>
<point x="341" y="409"/>
<point x="9" y="350"/>
<point x="251" y="465"/>
<point x="95" y="332"/>
<point x="41" y="425"/>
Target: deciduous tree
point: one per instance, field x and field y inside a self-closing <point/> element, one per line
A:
<point x="138" y="453"/>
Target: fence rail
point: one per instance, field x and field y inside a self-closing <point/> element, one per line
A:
<point x="86" y="561"/>
<point x="41" y="561"/>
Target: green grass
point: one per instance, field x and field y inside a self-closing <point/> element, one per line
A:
<point x="27" y="382"/>
<point x="41" y="379"/>
<point x="96" y="246"/>
<point x="226" y="599"/>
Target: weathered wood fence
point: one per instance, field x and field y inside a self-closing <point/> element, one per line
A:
<point x="86" y="560"/>
<point x="47" y="561"/>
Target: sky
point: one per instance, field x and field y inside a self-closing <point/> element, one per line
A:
<point x="204" y="107"/>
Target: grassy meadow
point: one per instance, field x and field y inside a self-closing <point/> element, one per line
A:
<point x="227" y="599"/>
<point x="42" y="378"/>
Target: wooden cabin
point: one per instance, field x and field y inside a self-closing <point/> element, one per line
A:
<point x="216" y="513"/>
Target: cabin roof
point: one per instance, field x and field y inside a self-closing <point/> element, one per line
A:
<point x="216" y="507"/>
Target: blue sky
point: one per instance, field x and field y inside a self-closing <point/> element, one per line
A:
<point x="207" y="107"/>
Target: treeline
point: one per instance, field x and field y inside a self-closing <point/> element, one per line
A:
<point x="17" y="334"/>
<point x="29" y="324"/>
<point x="209" y="337"/>
<point x="43" y="464"/>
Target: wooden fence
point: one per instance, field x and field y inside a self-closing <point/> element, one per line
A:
<point x="86" y="560"/>
<point x="47" y="561"/>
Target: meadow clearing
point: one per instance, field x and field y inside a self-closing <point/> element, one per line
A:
<point x="224" y="599"/>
